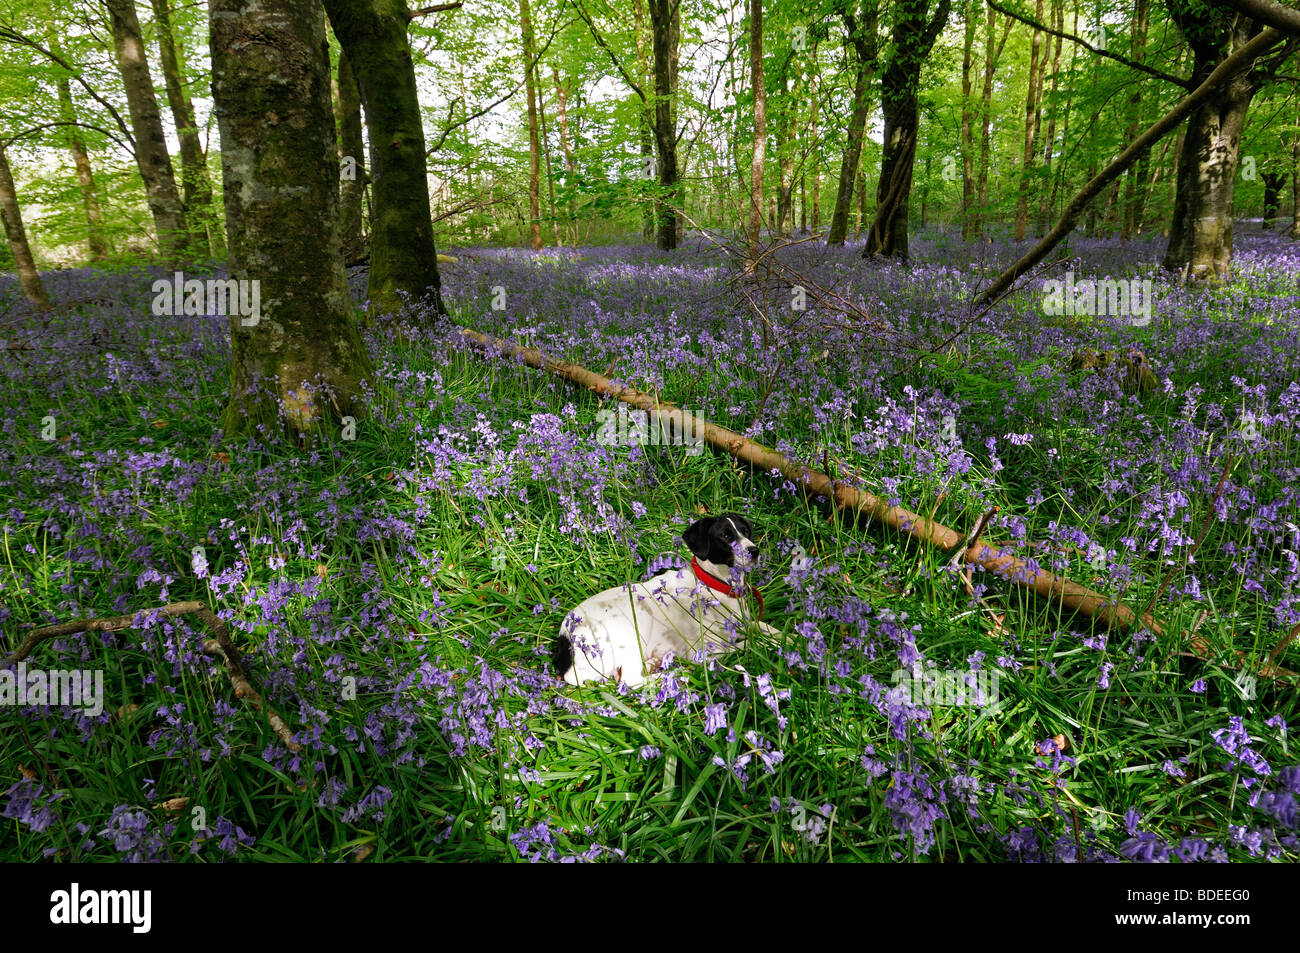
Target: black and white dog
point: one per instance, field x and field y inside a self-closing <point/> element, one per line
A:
<point x="624" y="633"/>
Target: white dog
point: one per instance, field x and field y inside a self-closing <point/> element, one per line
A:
<point x="624" y="633"/>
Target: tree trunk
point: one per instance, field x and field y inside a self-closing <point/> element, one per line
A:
<point x="760" y="129"/>
<point x="1200" y="232"/>
<point x="1273" y="183"/>
<point x="862" y="37"/>
<point x="546" y="154"/>
<point x="1032" y="93"/>
<point x="570" y="169"/>
<point x="1295" y="187"/>
<point x="146" y="126"/>
<point x="402" y="253"/>
<point x="644" y="58"/>
<point x="534" y="146"/>
<point x="815" y="148"/>
<point x="803" y="205"/>
<point x="991" y="56"/>
<point x="280" y="173"/>
<point x="95" y="242"/>
<point x="785" y="161"/>
<point x="969" y="222"/>
<point x="663" y="33"/>
<point x="1049" y="143"/>
<point x="914" y="37"/>
<point x="861" y="222"/>
<point x="352" y="156"/>
<point x="197" y="187"/>
<point x="24" y="263"/>
<point x="1137" y="174"/>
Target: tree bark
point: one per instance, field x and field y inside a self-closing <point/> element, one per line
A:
<point x="1224" y="73"/>
<point x="1033" y="90"/>
<point x="1019" y="572"/>
<point x="403" y="258"/>
<point x="914" y="37"/>
<point x="24" y="263"/>
<point x="862" y="37"/>
<point x="785" y="153"/>
<point x="196" y="186"/>
<point x="570" y="168"/>
<point x="271" y="92"/>
<point x="760" y="129"/>
<point x="992" y="54"/>
<point x="1295" y="187"/>
<point x="1049" y="143"/>
<point x="663" y="31"/>
<point x="534" y="145"/>
<point x="96" y="244"/>
<point x="1201" y="230"/>
<point x="969" y="221"/>
<point x="1137" y="175"/>
<point x="1273" y="183"/>
<point x="352" y="153"/>
<point x="814" y="140"/>
<point x="146" y="125"/>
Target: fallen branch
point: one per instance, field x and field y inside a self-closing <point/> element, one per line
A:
<point x="1108" y="612"/>
<point x="219" y="645"/>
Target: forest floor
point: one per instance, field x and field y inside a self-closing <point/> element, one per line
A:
<point x="396" y="595"/>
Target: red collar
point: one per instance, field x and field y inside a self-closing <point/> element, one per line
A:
<point x="713" y="582"/>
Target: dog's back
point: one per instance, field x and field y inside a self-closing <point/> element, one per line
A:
<point x="622" y="632"/>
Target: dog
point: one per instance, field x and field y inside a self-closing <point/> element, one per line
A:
<point x="624" y="633"/>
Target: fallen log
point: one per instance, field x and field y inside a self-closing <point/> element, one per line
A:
<point x="1108" y="612"/>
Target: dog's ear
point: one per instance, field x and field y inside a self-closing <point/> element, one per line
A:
<point x="696" y="536"/>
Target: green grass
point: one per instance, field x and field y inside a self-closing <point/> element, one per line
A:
<point x="590" y="782"/>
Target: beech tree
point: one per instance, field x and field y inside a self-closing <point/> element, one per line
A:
<point x="1200" y="234"/>
<point x="150" y="141"/>
<point x="196" y="186"/>
<point x="303" y="354"/>
<point x="861" y="28"/>
<point x="760" y="128"/>
<point x="28" y="276"/>
<point x="403" y="258"/>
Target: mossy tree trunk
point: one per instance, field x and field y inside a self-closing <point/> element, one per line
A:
<point x="280" y="171"/>
<point x="402" y="253"/>
<point x="352" y="147"/>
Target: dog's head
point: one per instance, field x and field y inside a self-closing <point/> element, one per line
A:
<point x="721" y="539"/>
